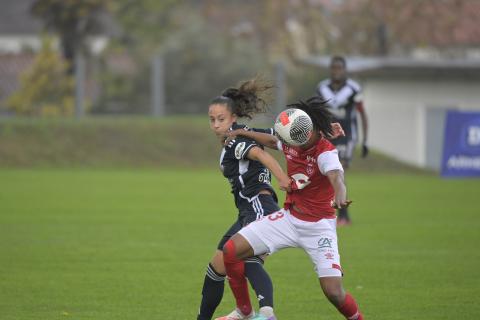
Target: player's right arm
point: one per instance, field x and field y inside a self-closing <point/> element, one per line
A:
<point x="264" y="139"/>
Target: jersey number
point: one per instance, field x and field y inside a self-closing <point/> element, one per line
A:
<point x="275" y="216"/>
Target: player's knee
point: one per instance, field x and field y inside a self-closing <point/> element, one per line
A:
<point x="217" y="263"/>
<point x="229" y="252"/>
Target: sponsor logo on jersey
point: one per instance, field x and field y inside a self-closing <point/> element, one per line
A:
<point x="239" y="150"/>
<point x="311" y="159"/>
<point x="291" y="151"/>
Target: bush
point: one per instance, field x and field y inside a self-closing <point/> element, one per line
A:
<point x="45" y="89"/>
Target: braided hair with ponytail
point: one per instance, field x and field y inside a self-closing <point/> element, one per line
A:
<point x="318" y="112"/>
<point x="248" y="99"/>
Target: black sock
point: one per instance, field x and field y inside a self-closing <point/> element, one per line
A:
<point x="212" y="293"/>
<point x="343" y="214"/>
<point x="260" y="281"/>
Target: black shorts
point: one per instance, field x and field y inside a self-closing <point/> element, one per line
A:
<point x="249" y="212"/>
<point x="345" y="147"/>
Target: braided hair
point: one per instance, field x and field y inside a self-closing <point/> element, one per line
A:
<point x="321" y="117"/>
<point x="248" y="99"/>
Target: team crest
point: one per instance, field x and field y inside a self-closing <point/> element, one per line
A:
<point x="239" y="150"/>
<point x="310" y="169"/>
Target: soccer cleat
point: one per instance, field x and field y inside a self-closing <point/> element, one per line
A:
<point x="237" y="315"/>
<point x="265" y="313"/>
<point x="262" y="317"/>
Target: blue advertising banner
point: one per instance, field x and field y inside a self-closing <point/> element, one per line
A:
<point x="461" y="145"/>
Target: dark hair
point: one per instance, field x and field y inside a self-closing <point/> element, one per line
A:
<point x="340" y="59"/>
<point x="321" y="117"/>
<point x="248" y="99"/>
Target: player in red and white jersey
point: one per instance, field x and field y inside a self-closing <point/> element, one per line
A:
<point x="307" y="220"/>
<point x="307" y="167"/>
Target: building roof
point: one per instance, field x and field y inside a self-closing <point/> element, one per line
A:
<point x="16" y="19"/>
<point x="402" y="65"/>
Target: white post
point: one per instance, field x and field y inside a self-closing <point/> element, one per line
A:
<point x="158" y="86"/>
<point x="79" y="85"/>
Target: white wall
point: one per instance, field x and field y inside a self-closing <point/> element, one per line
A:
<point x="397" y="111"/>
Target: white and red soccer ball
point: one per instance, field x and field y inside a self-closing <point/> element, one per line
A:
<point x="293" y="127"/>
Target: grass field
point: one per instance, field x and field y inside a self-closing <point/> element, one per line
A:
<point x="112" y="244"/>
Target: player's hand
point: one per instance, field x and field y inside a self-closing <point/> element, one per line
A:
<point x="344" y="204"/>
<point x="364" y="150"/>
<point x="337" y="130"/>
<point x="229" y="137"/>
<point x="285" y="184"/>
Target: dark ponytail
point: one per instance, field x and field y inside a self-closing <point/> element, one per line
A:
<point x="248" y="99"/>
<point x="318" y="112"/>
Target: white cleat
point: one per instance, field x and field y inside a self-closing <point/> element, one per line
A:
<point x="237" y="315"/>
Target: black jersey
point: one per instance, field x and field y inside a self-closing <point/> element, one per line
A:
<point x="247" y="177"/>
<point x="342" y="104"/>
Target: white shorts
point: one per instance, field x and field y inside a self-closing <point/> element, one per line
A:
<point x="281" y="230"/>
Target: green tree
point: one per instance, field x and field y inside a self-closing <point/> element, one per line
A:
<point x="46" y="89"/>
<point x="72" y="20"/>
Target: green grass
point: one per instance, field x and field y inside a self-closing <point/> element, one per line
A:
<point x="125" y="142"/>
<point x="112" y="244"/>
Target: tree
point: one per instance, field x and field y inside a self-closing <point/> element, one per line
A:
<point x="46" y="89"/>
<point x="73" y="21"/>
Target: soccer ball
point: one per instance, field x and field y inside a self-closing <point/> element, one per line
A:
<point x="293" y="127"/>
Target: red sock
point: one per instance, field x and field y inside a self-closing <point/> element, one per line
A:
<point x="236" y="278"/>
<point x="349" y="308"/>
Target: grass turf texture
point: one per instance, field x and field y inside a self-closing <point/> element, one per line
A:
<point x="111" y="244"/>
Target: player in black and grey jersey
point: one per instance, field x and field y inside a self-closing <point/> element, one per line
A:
<point x="248" y="168"/>
<point x="343" y="97"/>
<point x="249" y="179"/>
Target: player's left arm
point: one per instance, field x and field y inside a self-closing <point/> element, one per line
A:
<point x="337" y="180"/>
<point x="330" y="166"/>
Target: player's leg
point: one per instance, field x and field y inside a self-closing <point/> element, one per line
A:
<point x="254" y="270"/>
<point x="263" y="236"/>
<point x="214" y="282"/>
<point x="333" y="289"/>
<point x="319" y="240"/>
<point x="261" y="284"/>
<point x="251" y="210"/>
<point x="213" y="287"/>
<point x="234" y="252"/>
<point x="345" y="154"/>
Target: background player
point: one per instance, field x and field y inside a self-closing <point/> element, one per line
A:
<point x="307" y="221"/>
<point x="343" y="97"/>
<point x="247" y="167"/>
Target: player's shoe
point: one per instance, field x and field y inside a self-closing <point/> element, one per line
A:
<point x="262" y="317"/>
<point x="237" y="315"/>
<point x="265" y="313"/>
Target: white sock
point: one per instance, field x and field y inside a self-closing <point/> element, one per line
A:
<point x="266" y="311"/>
